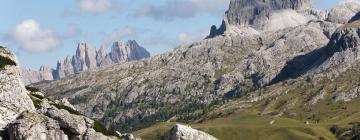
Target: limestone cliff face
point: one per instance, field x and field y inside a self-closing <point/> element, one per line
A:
<point x="343" y="13"/>
<point x="263" y="15"/>
<point x="256" y="12"/>
<point x="26" y="115"/>
<point x="13" y="95"/>
<point x="87" y="58"/>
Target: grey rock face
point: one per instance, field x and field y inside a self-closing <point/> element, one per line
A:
<point x="64" y="68"/>
<point x="263" y="15"/>
<point x="75" y="124"/>
<point x="124" y="52"/>
<point x="254" y="12"/>
<point x="91" y="134"/>
<point x="85" y="58"/>
<point x="343" y="13"/>
<point x="130" y="137"/>
<point x="33" y="126"/>
<point x="13" y="95"/>
<point x="21" y="121"/>
<point x="181" y="132"/>
<point x="30" y="76"/>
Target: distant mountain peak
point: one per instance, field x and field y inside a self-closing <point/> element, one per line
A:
<point x="88" y="58"/>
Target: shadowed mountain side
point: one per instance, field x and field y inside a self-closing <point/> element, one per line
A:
<point x="300" y="65"/>
<point x="342" y="48"/>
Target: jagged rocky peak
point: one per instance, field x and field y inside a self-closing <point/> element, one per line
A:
<point x="263" y="15"/>
<point x="245" y="12"/>
<point x="85" y="58"/>
<point x="343" y="12"/>
<point x="88" y="58"/>
<point x="131" y="50"/>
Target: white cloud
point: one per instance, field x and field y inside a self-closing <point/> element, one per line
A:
<point x="118" y="35"/>
<point x="95" y="6"/>
<point x="33" y="38"/>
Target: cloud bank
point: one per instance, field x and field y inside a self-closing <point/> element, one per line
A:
<point x="32" y="37"/>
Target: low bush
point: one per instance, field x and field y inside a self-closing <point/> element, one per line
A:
<point x="32" y="89"/>
<point x="99" y="127"/>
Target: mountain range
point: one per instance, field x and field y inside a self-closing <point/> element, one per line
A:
<point x="274" y="69"/>
<point x="87" y="58"/>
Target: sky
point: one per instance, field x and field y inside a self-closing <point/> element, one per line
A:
<point x="40" y="32"/>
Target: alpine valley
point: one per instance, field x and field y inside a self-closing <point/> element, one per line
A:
<point x="273" y="70"/>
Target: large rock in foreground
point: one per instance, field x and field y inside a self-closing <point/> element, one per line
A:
<point x="181" y="132"/>
<point x="13" y="95"/>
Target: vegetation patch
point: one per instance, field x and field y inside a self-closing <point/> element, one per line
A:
<point x="99" y="127"/>
<point x="72" y="111"/>
<point x="32" y="89"/>
<point x="5" y="61"/>
<point x="37" y="96"/>
<point x="36" y="101"/>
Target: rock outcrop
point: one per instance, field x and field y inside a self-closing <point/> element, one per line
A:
<point x="181" y="132"/>
<point x="264" y="15"/>
<point x="87" y="58"/>
<point x="343" y="13"/>
<point x="13" y="95"/>
<point x="27" y="115"/>
<point x="33" y="126"/>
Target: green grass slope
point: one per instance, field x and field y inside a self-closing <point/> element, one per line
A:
<point x="248" y="126"/>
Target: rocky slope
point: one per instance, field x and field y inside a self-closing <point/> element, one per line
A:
<point x="87" y="58"/>
<point x="235" y="60"/>
<point x="27" y="115"/>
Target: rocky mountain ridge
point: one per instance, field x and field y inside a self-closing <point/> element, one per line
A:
<point x="87" y="58"/>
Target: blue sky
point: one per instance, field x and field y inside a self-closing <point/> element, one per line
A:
<point x="53" y="28"/>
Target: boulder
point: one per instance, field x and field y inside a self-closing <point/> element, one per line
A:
<point x="74" y="123"/>
<point x="13" y="95"/>
<point x="33" y="126"/>
<point x="182" y="132"/>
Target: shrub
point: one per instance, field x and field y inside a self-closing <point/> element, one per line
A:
<point x="99" y="127"/>
<point x="36" y="102"/>
<point x="32" y="89"/>
<point x="4" y="61"/>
